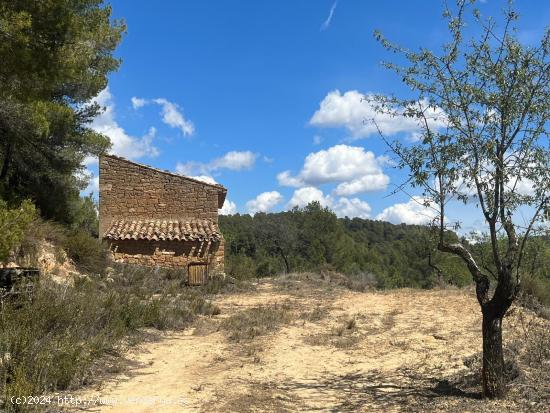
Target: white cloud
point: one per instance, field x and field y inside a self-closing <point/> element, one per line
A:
<point x="327" y="22"/>
<point x="355" y="169"/>
<point x="122" y="143"/>
<point x="93" y="184"/>
<point x="351" y="208"/>
<point x="233" y="160"/>
<point x="264" y="202"/>
<point x="286" y="179"/>
<point x="352" y="111"/>
<point x="229" y="208"/>
<point x="204" y="178"/>
<point x="90" y="160"/>
<point x="365" y="183"/>
<point x="171" y="114"/>
<point x="138" y="102"/>
<point x="317" y="140"/>
<point x="342" y="207"/>
<point x="304" y="196"/>
<point x="413" y="212"/>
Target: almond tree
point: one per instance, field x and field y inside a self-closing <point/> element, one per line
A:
<point x="483" y="104"/>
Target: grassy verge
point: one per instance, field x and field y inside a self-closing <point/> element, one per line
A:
<point x="52" y="342"/>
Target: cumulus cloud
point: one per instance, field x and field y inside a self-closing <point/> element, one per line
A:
<point x="172" y="114"/>
<point x="351" y="208"/>
<point x="286" y="179"/>
<point x="123" y="144"/>
<point x="264" y="202"/>
<point x="229" y="208"/>
<point x="354" y="169"/>
<point x="233" y="160"/>
<point x="413" y="212"/>
<point x="304" y="196"/>
<point x="355" y="113"/>
<point x="342" y="207"/>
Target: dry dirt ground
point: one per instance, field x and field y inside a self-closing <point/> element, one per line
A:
<point x="334" y="351"/>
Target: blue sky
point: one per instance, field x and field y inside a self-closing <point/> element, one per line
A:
<point x="264" y="97"/>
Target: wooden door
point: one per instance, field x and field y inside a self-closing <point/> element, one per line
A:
<point x="197" y="273"/>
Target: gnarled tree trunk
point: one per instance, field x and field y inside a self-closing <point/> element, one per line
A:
<point x="493" y="374"/>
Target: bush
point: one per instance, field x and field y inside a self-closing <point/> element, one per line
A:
<point x="52" y="343"/>
<point x="256" y="321"/>
<point x="535" y="294"/>
<point x="13" y="225"/>
<point x="240" y="267"/>
<point x="89" y="254"/>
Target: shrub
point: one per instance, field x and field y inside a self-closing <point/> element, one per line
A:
<point x="240" y="267"/>
<point x="89" y="254"/>
<point x="256" y="321"/>
<point x="537" y="287"/>
<point x="13" y="224"/>
<point x="52" y="343"/>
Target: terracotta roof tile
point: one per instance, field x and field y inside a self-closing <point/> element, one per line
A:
<point x="164" y="229"/>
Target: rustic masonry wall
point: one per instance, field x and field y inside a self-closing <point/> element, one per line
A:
<point x="170" y="254"/>
<point x="133" y="191"/>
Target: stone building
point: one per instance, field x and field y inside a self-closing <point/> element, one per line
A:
<point x="158" y="218"/>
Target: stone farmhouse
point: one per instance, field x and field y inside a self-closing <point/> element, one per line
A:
<point x="153" y="217"/>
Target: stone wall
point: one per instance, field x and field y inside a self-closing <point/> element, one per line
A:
<point x="130" y="190"/>
<point x="169" y="254"/>
<point x="134" y="191"/>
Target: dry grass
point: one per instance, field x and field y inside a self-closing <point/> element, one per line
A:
<point x="257" y="321"/>
<point x="57" y="341"/>
<point x="344" y="351"/>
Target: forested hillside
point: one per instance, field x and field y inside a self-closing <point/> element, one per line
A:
<point x="313" y="238"/>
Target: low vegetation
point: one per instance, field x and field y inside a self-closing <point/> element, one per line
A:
<point x="52" y="342"/>
<point x="360" y="254"/>
<point x="257" y="321"/>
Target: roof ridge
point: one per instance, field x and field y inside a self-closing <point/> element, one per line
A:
<point x="164" y="171"/>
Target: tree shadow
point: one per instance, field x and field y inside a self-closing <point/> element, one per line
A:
<point x="403" y="388"/>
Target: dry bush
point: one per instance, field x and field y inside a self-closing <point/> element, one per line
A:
<point x="325" y="281"/>
<point x="256" y="321"/>
<point x="535" y="295"/>
<point x="315" y="315"/>
<point x="344" y="335"/>
<point x="53" y="342"/>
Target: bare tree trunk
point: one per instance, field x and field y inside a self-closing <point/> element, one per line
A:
<point x="287" y="265"/>
<point x="493" y="374"/>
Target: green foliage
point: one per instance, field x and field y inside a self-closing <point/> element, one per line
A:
<point x="13" y="225"/>
<point x="314" y="239"/>
<point x="482" y="104"/>
<point x="56" y="56"/>
<point x="86" y="216"/>
<point x="89" y="253"/>
<point x="53" y="342"/>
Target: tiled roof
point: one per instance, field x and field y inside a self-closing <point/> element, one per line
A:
<point x="164" y="229"/>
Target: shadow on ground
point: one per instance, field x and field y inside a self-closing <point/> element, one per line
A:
<point x="405" y="389"/>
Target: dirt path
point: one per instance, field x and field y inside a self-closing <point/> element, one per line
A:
<point x="341" y="351"/>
